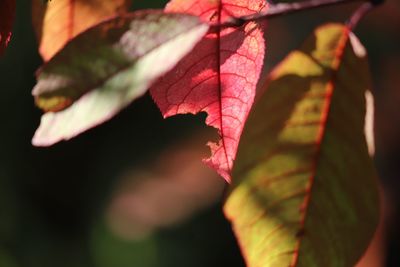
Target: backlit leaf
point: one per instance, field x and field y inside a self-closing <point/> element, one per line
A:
<point x="219" y="77"/>
<point x="304" y="191"/>
<point x="7" y="14"/>
<point x="56" y="22"/>
<point x="104" y="69"/>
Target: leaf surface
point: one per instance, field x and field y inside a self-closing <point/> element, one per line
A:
<point x="304" y="191"/>
<point x="104" y="69"/>
<point x="7" y="15"/>
<point x="57" y="22"/>
<point x="219" y="77"/>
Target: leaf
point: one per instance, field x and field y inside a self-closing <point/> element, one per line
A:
<point x="219" y="77"/>
<point x="104" y="69"/>
<point x="57" y="22"/>
<point x="7" y="15"/>
<point x="304" y="191"/>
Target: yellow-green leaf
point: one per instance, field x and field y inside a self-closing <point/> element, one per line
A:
<point x="304" y="189"/>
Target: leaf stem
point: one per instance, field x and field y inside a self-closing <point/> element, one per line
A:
<point x="288" y="8"/>
<point x="359" y="14"/>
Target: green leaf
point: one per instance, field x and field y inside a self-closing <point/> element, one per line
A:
<point x="304" y="189"/>
<point x="105" y="68"/>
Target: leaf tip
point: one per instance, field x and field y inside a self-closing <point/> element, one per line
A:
<point x="215" y="163"/>
<point x="358" y="48"/>
<point x="37" y="141"/>
<point x="47" y="134"/>
<point x="55" y="103"/>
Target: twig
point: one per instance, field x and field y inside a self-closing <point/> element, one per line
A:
<point x="287" y="8"/>
<point x="359" y="14"/>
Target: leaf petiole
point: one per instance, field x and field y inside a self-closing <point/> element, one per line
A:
<point x="359" y="14"/>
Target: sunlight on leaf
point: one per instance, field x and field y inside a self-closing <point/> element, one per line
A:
<point x="107" y="67"/>
<point x="304" y="187"/>
<point x="57" y="22"/>
<point x="220" y="78"/>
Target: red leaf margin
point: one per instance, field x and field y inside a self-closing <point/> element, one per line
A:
<point x="219" y="77"/>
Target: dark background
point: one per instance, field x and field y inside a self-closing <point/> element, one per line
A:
<point x="116" y="196"/>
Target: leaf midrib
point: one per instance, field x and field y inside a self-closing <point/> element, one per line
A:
<point x="334" y="69"/>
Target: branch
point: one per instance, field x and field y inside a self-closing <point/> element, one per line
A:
<point x="288" y="8"/>
<point x="359" y="14"/>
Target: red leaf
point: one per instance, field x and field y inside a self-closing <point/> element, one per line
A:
<point x="219" y="77"/>
<point x="7" y="14"/>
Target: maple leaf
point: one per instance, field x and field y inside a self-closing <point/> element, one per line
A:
<point x="7" y="14"/>
<point x="57" y="22"/>
<point x="219" y="77"/>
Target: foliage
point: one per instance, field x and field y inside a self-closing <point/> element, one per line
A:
<point x="116" y="63"/>
<point x="304" y="161"/>
<point x="220" y="78"/>
<point x="303" y="181"/>
<point x="58" y="22"/>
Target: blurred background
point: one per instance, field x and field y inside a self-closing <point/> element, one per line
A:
<point x="133" y="192"/>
